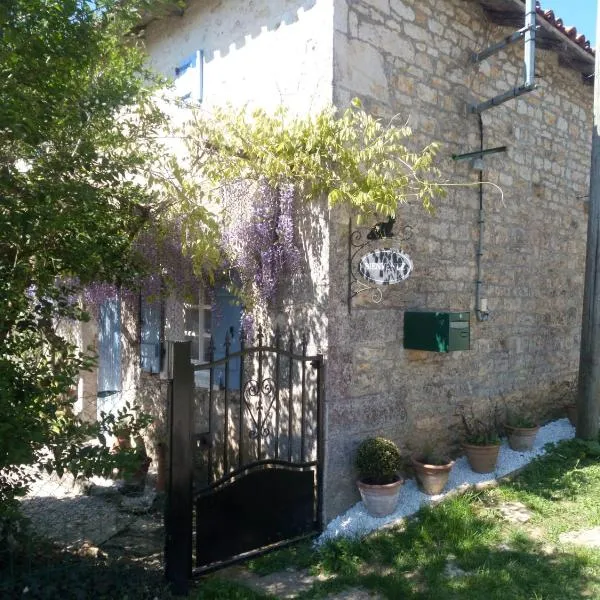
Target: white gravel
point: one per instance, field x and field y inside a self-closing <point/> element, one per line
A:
<point x="355" y="522"/>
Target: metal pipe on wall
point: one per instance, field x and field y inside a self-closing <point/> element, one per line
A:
<point x="481" y="310"/>
<point x="529" y="43"/>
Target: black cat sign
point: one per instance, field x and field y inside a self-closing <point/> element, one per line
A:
<point x="385" y="266"/>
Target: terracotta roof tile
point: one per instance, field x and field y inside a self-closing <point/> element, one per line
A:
<point x="570" y="32"/>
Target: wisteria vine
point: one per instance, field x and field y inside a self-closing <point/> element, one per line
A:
<point x="261" y="246"/>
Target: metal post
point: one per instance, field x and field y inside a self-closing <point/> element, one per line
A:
<point x="178" y="512"/>
<point x="589" y="362"/>
<point x="529" y="43"/>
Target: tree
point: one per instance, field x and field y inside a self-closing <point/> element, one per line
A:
<point x="76" y="130"/>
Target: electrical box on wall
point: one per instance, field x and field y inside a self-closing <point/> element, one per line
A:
<point x="437" y="331"/>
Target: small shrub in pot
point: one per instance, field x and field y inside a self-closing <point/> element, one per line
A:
<point x="378" y="461"/>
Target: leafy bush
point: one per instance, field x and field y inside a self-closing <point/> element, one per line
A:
<point x="378" y="461"/>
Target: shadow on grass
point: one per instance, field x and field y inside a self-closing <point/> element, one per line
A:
<point x="454" y="551"/>
<point x="42" y="571"/>
<point x="560" y="474"/>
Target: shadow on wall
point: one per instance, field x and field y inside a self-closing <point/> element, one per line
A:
<point x="278" y="14"/>
<point x="255" y="19"/>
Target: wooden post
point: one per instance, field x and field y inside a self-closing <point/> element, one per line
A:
<point x="588" y="411"/>
<point x="178" y="511"/>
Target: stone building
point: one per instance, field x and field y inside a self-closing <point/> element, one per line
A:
<point x="411" y="59"/>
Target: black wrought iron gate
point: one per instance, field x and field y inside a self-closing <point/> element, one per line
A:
<point x="246" y="453"/>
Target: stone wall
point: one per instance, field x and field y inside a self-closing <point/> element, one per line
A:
<point x="410" y="59"/>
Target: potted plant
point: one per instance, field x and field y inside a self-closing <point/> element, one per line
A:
<point x="122" y="432"/>
<point x="521" y="431"/>
<point x="432" y="471"/>
<point x="131" y="462"/>
<point x="378" y="461"/>
<point x="482" y="441"/>
<point x="136" y="471"/>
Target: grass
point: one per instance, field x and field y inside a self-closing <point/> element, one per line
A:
<point x="467" y="536"/>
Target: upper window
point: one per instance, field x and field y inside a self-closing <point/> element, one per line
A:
<point x="189" y="76"/>
<point x="151" y="334"/>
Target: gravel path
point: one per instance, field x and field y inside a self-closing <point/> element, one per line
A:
<point x="95" y="515"/>
<point x="356" y="522"/>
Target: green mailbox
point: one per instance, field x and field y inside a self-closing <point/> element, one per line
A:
<point x="437" y="331"/>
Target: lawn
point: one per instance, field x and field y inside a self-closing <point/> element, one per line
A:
<point x="501" y="543"/>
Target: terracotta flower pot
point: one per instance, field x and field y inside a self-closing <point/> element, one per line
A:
<point x="432" y="478"/>
<point x="380" y="500"/>
<point x="482" y="459"/>
<point x="521" y="438"/>
<point x="572" y="413"/>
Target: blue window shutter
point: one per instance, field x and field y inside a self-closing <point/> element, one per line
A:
<point x="226" y="320"/>
<point x="189" y="77"/>
<point x="109" y="347"/>
<point x="150" y="329"/>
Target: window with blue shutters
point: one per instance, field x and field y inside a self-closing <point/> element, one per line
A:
<point x="202" y="323"/>
<point x="109" y="348"/>
<point x="189" y="78"/>
<point x="151" y="319"/>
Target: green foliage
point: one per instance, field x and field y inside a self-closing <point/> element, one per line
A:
<point x="299" y="555"/>
<point x="518" y="419"/>
<point x="77" y="128"/>
<point x="378" y="460"/>
<point x="349" y="157"/>
<point x="481" y="430"/>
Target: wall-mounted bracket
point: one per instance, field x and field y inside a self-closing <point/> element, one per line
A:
<point x="528" y="33"/>
<point x="477" y="57"/>
<point x="366" y="240"/>
<point x="479" y="153"/>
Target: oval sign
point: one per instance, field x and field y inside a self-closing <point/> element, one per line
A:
<point x="385" y="266"/>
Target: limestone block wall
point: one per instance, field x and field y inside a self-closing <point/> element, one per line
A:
<point x="409" y="59"/>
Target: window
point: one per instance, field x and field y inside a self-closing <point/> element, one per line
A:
<point x="151" y="321"/>
<point x="109" y="348"/>
<point x="198" y="328"/>
<point x="203" y="322"/>
<point x="189" y="76"/>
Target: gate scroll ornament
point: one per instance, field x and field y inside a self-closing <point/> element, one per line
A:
<point x="254" y="393"/>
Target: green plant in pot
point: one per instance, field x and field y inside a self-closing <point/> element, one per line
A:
<point x="126" y="426"/>
<point x="482" y="440"/>
<point x="378" y="462"/>
<point x="432" y="470"/>
<point x="521" y="431"/>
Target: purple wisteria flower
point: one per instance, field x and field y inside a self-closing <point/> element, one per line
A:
<point x="262" y="247"/>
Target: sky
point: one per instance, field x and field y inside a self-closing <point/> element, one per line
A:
<point x="580" y="13"/>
